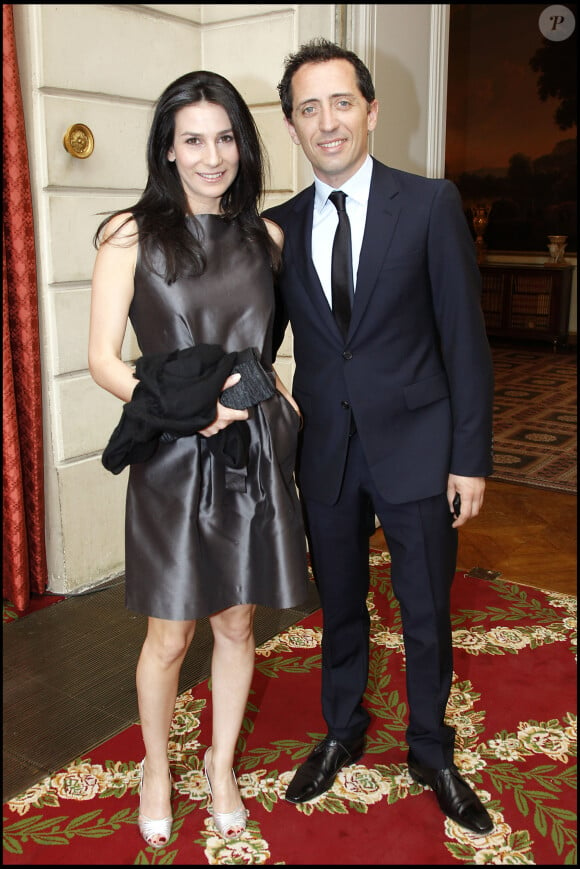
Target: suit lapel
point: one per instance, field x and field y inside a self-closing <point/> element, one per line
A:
<point x="382" y="216"/>
<point x="298" y="244"/>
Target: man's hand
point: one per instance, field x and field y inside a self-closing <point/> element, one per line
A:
<point x="470" y="490"/>
<point x="224" y="415"/>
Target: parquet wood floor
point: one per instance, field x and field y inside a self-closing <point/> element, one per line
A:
<point x="527" y="534"/>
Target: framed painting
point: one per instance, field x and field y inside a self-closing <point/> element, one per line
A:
<point x="511" y="136"/>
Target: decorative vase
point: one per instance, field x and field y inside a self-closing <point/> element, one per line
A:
<point x="480" y="217"/>
<point x="557" y="247"/>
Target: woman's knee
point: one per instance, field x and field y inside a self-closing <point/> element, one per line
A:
<point x="169" y="641"/>
<point x="234" y="625"/>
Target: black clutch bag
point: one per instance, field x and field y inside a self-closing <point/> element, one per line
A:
<point x="255" y="384"/>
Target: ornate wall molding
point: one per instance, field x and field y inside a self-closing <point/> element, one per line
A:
<point x="437" y="104"/>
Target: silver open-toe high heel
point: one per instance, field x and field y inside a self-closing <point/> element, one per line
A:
<point x="230" y="825"/>
<point x="153" y="830"/>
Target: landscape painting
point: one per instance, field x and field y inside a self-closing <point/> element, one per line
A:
<point x="511" y="136"/>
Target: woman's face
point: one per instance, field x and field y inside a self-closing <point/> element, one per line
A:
<point x="205" y="154"/>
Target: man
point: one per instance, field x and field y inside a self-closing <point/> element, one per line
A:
<point x="397" y="409"/>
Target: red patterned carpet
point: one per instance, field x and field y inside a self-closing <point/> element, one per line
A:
<point x="535" y="417"/>
<point x="37" y="602"/>
<point x="513" y="704"/>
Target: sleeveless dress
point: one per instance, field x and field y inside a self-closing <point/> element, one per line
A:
<point x="200" y="537"/>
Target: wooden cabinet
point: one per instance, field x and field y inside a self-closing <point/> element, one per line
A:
<point x="527" y="301"/>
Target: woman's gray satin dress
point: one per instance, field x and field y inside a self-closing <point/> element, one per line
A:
<point x="201" y="537"/>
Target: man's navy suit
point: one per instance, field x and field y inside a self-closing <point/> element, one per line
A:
<point x="414" y="381"/>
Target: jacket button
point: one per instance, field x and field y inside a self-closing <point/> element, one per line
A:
<point x="345" y="404"/>
<point x="347" y="355"/>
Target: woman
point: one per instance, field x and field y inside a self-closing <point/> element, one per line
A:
<point x="191" y="264"/>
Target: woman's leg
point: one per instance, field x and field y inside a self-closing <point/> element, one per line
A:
<point x="232" y="668"/>
<point x="157" y="679"/>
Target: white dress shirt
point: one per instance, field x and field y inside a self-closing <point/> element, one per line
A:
<point x="325" y="221"/>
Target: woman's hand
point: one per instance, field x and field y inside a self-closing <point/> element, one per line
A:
<point x="225" y="415"/>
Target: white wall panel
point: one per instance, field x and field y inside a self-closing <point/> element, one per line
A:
<point x="212" y="12"/>
<point x="190" y="11"/>
<point x="250" y="54"/>
<point x="71" y="310"/>
<point x="71" y="319"/>
<point x="120" y="131"/>
<point x="112" y="49"/>
<point x="94" y="523"/>
<point x="313" y="20"/>
<point x="278" y="145"/>
<point x="88" y="415"/>
<point x="401" y="78"/>
<point x="73" y="222"/>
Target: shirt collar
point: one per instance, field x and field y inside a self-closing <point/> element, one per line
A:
<point x="357" y="187"/>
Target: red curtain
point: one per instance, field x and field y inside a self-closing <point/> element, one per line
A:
<point x="24" y="553"/>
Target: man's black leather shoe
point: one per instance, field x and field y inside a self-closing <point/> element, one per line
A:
<point x="319" y="770"/>
<point x="454" y="795"/>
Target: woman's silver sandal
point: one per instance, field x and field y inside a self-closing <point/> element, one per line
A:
<point x="152" y="830"/>
<point x="225" y="822"/>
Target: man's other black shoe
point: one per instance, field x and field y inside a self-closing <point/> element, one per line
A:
<point x="455" y="797"/>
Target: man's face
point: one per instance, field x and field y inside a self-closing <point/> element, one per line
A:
<point x="331" y="119"/>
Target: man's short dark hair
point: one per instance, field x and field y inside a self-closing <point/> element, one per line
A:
<point x="319" y="51"/>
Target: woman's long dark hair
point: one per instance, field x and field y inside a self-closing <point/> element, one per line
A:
<point x="162" y="208"/>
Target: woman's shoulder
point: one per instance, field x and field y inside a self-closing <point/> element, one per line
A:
<point x="121" y="228"/>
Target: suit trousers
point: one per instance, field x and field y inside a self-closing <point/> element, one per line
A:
<point x="423" y="549"/>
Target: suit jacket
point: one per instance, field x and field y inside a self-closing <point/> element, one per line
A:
<point x="416" y="370"/>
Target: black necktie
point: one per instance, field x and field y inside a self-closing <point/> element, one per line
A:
<point x="341" y="272"/>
